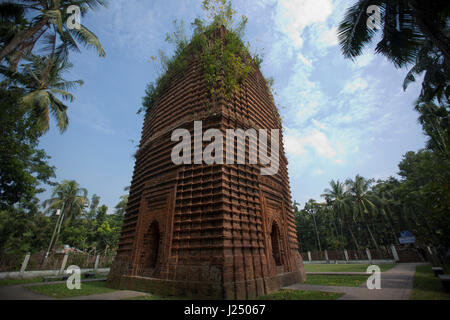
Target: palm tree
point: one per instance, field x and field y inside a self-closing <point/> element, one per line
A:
<point x="435" y="121"/>
<point x="363" y="201"/>
<point x="387" y="205"/>
<point x="47" y="22"/>
<point x="436" y="82"/>
<point x="405" y="25"/>
<point x="71" y="199"/>
<point x="312" y="208"/>
<point x="41" y="96"/>
<point x="338" y="197"/>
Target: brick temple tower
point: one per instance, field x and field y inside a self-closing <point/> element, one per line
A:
<point x="220" y="230"/>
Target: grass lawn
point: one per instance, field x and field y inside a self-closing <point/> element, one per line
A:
<point x="343" y="267"/>
<point x="155" y="297"/>
<point x="336" y="280"/>
<point x="60" y="290"/>
<point x="288" y="294"/>
<point x="11" y="282"/>
<point x="426" y="286"/>
<point x="284" y="294"/>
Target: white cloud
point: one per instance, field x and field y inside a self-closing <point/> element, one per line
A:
<point x="317" y="172"/>
<point x="363" y="61"/>
<point x="329" y="37"/>
<point x="297" y="141"/>
<point x="355" y="85"/>
<point x="293" y="16"/>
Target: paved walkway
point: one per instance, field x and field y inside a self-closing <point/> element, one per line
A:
<point x="20" y="292"/>
<point x="396" y="284"/>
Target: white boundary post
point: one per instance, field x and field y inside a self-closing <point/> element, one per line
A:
<point x="369" y="256"/>
<point x="25" y="262"/>
<point x="63" y="264"/>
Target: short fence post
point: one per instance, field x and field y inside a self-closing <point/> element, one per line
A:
<point x="309" y="256"/>
<point x="25" y="262"/>
<point x="369" y="256"/>
<point x="394" y="253"/>
<point x="326" y="256"/>
<point x="63" y="265"/>
<point x="96" y="262"/>
<point x="346" y="255"/>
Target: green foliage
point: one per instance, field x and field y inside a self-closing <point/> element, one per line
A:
<point x="289" y="294"/>
<point x="361" y="213"/>
<point x="226" y="63"/>
<point x="426" y="286"/>
<point x="336" y="280"/>
<point x="30" y="23"/>
<point x="24" y="167"/>
<point x="60" y="290"/>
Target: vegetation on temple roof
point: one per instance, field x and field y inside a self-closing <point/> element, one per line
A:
<point x="226" y="62"/>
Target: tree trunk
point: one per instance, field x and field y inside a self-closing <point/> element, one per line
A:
<point x="353" y="237"/>
<point x="21" y="37"/>
<point x="317" y="233"/>
<point x="372" y="237"/>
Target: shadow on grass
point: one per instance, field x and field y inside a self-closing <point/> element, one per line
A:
<point x="426" y="286"/>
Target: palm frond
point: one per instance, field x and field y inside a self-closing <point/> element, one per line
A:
<point x="88" y="39"/>
<point x="353" y="33"/>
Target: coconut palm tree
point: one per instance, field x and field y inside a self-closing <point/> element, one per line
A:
<point x="404" y="26"/>
<point x="312" y="208"/>
<point x="338" y="196"/>
<point x="364" y="202"/>
<point x="70" y="199"/>
<point x="41" y="97"/>
<point x="435" y="121"/>
<point x="436" y="81"/>
<point x="46" y="20"/>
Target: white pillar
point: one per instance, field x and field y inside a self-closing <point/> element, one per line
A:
<point x="309" y="256"/>
<point x="25" y="262"/>
<point x="369" y="256"/>
<point x="96" y="262"/>
<point x="346" y="255"/>
<point x="63" y="265"/>
<point x="394" y="253"/>
<point x="326" y="255"/>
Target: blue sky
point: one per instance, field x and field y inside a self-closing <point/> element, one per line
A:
<point x="340" y="118"/>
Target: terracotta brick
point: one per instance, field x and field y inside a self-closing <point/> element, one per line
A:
<point x="207" y="230"/>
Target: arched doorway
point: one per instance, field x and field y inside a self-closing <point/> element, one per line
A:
<point x="151" y="248"/>
<point x="275" y="239"/>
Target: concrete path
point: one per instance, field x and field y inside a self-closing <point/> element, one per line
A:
<point x="20" y="292"/>
<point x="115" y="295"/>
<point x="337" y="273"/>
<point x="396" y="284"/>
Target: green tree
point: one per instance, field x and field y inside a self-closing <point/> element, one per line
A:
<point x="312" y="208"/>
<point x="363" y="202"/>
<point x="29" y="23"/>
<point x="338" y="197"/>
<point x="405" y="25"/>
<point x="39" y="96"/>
<point x="70" y="199"/>
<point x="24" y="167"/>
